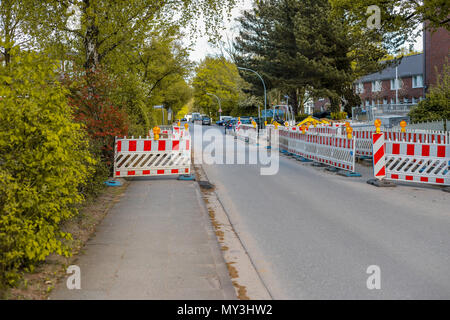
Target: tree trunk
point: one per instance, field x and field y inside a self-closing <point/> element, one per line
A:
<point x="91" y="48"/>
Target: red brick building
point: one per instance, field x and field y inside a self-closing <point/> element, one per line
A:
<point x="437" y="48"/>
<point x="402" y="83"/>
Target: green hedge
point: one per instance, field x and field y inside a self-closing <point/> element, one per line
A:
<point x="44" y="160"/>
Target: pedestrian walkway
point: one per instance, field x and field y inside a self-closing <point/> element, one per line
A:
<point x="156" y="243"/>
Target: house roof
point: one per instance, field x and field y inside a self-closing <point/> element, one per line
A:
<point x="408" y="67"/>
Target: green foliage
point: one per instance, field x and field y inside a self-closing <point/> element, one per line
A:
<point x="301" y="117"/>
<point x="44" y="159"/>
<point x="339" y="115"/>
<point x="436" y="106"/>
<point x="219" y="77"/>
<point x="301" y="46"/>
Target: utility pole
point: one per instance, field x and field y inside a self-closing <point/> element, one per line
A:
<point x="265" y="91"/>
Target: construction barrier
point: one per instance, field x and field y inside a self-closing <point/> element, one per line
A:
<point x="418" y="162"/>
<point x="149" y="157"/>
<point x="379" y="158"/>
<point x="331" y="150"/>
<point x="364" y="138"/>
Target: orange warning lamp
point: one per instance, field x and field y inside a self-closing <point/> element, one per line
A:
<point x="254" y="124"/>
<point x="303" y="129"/>
<point x="179" y="123"/>
<point x="347" y="124"/>
<point x="265" y="123"/>
<point x="156" y="132"/>
<point x="349" y="132"/>
<point x="286" y="124"/>
<point x="186" y="126"/>
<point x="276" y="125"/>
<point x="403" y="124"/>
<point x="378" y="125"/>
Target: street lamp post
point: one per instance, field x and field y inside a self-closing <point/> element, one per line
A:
<point x="218" y="100"/>
<point x="265" y="91"/>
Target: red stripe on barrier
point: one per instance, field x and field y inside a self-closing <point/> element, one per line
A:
<point x="131" y="173"/>
<point x="394" y="176"/>
<point x="410" y="150"/>
<point x="147" y="145"/>
<point x="174" y="171"/>
<point x="132" y="145"/>
<point x="409" y="178"/>
<point x="175" y="145"/>
<point x="424" y="179"/>
<point x="378" y="155"/>
<point x="160" y="172"/>
<point x="117" y="173"/>
<point x="439" y="180"/>
<point x="161" y="145"/>
<point x="187" y="145"/>
<point x="425" y="150"/>
<point x="441" y="152"/>
<point x="119" y="146"/>
<point x="146" y="172"/>
<point x="396" y="148"/>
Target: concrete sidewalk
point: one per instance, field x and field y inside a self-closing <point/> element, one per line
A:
<point x="156" y="243"/>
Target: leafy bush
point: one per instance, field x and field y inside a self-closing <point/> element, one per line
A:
<point x="339" y="115"/>
<point x="44" y="159"/>
<point x="301" y="117"/>
<point x="92" y="106"/>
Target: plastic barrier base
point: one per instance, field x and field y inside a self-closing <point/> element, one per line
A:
<point x="381" y="183"/>
<point x="349" y="174"/>
<point x="113" y="183"/>
<point x="332" y="169"/>
<point x="187" y="177"/>
<point x="318" y="165"/>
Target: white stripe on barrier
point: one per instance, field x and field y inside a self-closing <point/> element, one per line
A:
<point x="417" y="162"/>
<point x="146" y="157"/>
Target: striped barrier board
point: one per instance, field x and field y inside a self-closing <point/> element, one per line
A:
<point x="331" y="150"/>
<point x="417" y="162"/>
<point x="147" y="157"/>
<point x="379" y="159"/>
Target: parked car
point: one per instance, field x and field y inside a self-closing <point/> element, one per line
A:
<point x="206" y="121"/>
<point x="184" y="120"/>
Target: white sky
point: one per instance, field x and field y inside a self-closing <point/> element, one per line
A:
<point x="202" y="47"/>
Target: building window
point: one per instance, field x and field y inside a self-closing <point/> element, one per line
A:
<point x="376" y="86"/>
<point x="385" y="101"/>
<point x="405" y="100"/>
<point x="367" y="103"/>
<point x="396" y="84"/>
<point x="392" y="101"/>
<point x="359" y="88"/>
<point x="417" y="81"/>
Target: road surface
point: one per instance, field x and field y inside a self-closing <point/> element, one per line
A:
<point x="313" y="234"/>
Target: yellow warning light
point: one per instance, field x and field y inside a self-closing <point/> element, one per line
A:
<point x="349" y="132"/>
<point x="276" y="124"/>
<point x="156" y="131"/>
<point x="403" y="124"/>
<point x="265" y="123"/>
<point x="186" y="126"/>
<point x="347" y="124"/>
<point x="303" y="129"/>
<point x="378" y="125"/>
<point x="179" y="123"/>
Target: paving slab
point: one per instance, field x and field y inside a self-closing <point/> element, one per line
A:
<point x="156" y="243"/>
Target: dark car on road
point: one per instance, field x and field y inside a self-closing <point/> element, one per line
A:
<point x="206" y="121"/>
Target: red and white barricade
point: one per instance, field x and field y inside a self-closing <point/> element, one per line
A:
<point x="335" y="151"/>
<point x="379" y="158"/>
<point x="148" y="157"/>
<point x="418" y="162"/>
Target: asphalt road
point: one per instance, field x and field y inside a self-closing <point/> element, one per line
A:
<point x="312" y="234"/>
